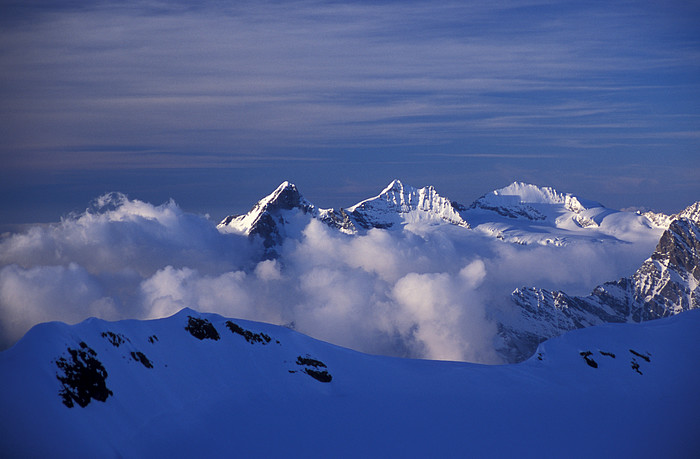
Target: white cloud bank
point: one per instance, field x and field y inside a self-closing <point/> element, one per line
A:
<point x="427" y="291"/>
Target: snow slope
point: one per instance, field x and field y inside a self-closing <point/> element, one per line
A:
<point x="527" y="214"/>
<point x="610" y="391"/>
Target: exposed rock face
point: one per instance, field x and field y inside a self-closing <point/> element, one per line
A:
<point x="667" y="283"/>
<point x="692" y="212"/>
<point x="82" y="377"/>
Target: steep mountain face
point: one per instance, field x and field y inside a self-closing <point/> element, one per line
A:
<point x="266" y="218"/>
<point x="199" y="384"/>
<point x="692" y="212"/>
<point x="667" y="283"/>
<point x="398" y="204"/>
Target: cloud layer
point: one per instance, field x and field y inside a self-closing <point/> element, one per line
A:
<point x="426" y="291"/>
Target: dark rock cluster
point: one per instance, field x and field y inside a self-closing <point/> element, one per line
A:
<point x="82" y="376"/>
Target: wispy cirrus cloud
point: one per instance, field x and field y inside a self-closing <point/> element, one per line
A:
<point x="254" y="77"/>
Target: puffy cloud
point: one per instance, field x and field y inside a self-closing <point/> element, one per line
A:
<point x="47" y="293"/>
<point x="118" y="234"/>
<point x="426" y="291"/>
<point x="268" y="270"/>
<point x="447" y="314"/>
<point x="170" y="290"/>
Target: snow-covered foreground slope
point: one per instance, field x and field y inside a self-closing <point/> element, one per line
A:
<point x="260" y="390"/>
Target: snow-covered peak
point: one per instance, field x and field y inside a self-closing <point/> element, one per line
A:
<point x="521" y="200"/>
<point x="399" y="203"/>
<point x="396" y="195"/>
<point x="272" y="217"/>
<point x="286" y="196"/>
<point x="395" y="186"/>
<point x="520" y="212"/>
<point x="526" y="193"/>
<point x="524" y="213"/>
<point x="659" y="219"/>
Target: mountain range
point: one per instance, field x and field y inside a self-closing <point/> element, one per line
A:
<point x="667" y="283"/>
<point x="520" y="213"/>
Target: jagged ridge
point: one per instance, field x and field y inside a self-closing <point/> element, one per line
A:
<point x="399" y="203"/>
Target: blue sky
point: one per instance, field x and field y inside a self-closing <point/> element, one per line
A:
<point x="214" y="104"/>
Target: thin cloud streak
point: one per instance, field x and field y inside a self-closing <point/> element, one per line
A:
<point x="496" y="155"/>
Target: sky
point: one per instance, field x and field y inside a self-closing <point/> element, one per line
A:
<point x="214" y="104"/>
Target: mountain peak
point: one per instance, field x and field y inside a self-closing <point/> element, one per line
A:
<point x="534" y="194"/>
<point x="661" y="220"/>
<point x="285" y="196"/>
<point x="395" y="185"/>
<point x="266" y="218"/>
<point x="692" y="212"/>
<point x="667" y="283"/>
<point x="520" y="199"/>
<point x="399" y="203"/>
